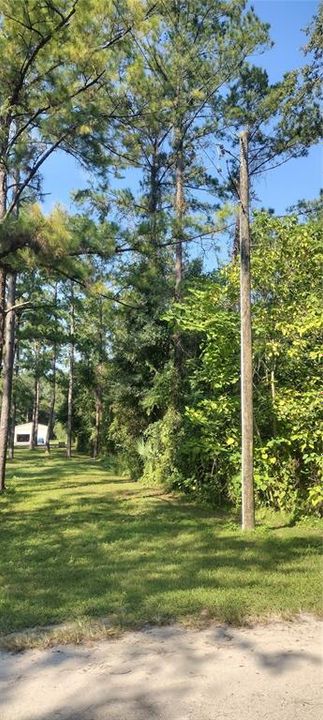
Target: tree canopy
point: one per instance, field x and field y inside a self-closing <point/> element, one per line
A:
<point x="112" y="330"/>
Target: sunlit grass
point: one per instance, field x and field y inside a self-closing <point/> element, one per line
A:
<point x="79" y="544"/>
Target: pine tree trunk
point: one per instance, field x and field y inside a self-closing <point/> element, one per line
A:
<point x="51" y="416"/>
<point x="3" y="198"/>
<point x="153" y="194"/>
<point x="248" y="511"/>
<point x="14" y="404"/>
<point x="7" y="372"/>
<point x="98" y="387"/>
<point x="71" y="379"/>
<point x="34" y="422"/>
<point x="179" y="213"/>
<point x="98" y="415"/>
<point x="11" y="451"/>
<point x="2" y="310"/>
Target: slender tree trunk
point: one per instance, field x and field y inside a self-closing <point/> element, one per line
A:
<point x="3" y="201"/>
<point x="273" y="398"/>
<point x="8" y="345"/>
<point x="98" y="416"/>
<point x="34" y="422"/>
<point x="153" y="194"/>
<point x="272" y="385"/>
<point x="14" y="403"/>
<point x="3" y="191"/>
<point x="35" y="411"/>
<point x="179" y="205"/>
<point x="11" y="448"/>
<point x="7" y="372"/>
<point x="37" y="401"/>
<point x="248" y="510"/>
<point x="71" y="379"/>
<point x="179" y="213"/>
<point x="98" y="387"/>
<point x="51" y="416"/>
<point x="2" y="310"/>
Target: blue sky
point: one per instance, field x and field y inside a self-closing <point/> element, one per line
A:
<point x="279" y="188"/>
<point x="300" y="178"/>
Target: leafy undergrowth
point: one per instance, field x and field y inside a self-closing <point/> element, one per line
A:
<point x="93" y="554"/>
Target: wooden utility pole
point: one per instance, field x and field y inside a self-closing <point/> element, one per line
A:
<point x="71" y="377"/>
<point x="248" y="505"/>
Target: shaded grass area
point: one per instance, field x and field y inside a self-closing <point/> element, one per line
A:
<point x="78" y="543"/>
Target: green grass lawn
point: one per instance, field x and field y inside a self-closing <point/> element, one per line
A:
<point x="78" y="543"/>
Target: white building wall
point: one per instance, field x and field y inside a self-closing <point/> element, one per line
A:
<point x="25" y="430"/>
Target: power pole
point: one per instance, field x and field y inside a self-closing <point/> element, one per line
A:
<point x="71" y="377"/>
<point x="248" y="504"/>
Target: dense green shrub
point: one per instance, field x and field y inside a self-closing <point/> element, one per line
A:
<point x="287" y="331"/>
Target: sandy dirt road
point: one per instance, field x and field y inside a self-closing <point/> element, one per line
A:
<point x="265" y="673"/>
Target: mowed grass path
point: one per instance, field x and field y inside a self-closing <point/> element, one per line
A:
<point x="77" y="543"/>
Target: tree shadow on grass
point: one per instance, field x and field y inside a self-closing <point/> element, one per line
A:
<point x="35" y="471"/>
<point x="140" y="559"/>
